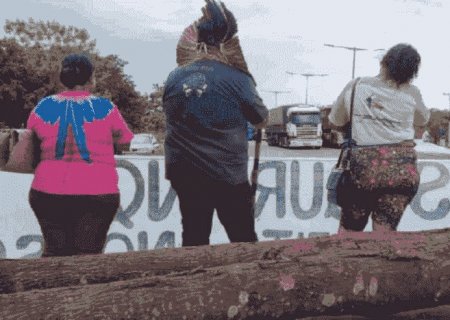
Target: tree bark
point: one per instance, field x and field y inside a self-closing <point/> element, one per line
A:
<point x="360" y="274"/>
<point x="437" y="313"/>
<point x="23" y="275"/>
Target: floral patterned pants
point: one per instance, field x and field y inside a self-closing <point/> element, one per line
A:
<point x="386" y="210"/>
<point x="385" y="180"/>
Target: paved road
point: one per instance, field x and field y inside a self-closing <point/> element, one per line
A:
<point x="270" y="151"/>
<point x="278" y="152"/>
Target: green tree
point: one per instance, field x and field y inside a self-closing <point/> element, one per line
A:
<point x="48" y="35"/>
<point x="154" y="119"/>
<point x="20" y="86"/>
<point x="31" y="56"/>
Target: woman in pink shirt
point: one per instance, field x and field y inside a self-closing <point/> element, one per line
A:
<point x="75" y="193"/>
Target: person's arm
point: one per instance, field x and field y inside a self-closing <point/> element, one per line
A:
<point x="252" y="105"/>
<point x="261" y="125"/>
<point x="422" y="114"/>
<point x="339" y="115"/>
<point x="31" y="122"/>
<point x="122" y="135"/>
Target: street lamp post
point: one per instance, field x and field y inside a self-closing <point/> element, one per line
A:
<point x="276" y="93"/>
<point x="354" y="49"/>
<point x="380" y="56"/>
<point x="448" y="128"/>
<point x="307" y="76"/>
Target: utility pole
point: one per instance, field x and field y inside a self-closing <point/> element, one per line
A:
<point x="307" y="76"/>
<point x="276" y="93"/>
<point x="448" y="127"/>
<point x="380" y="56"/>
<point x="354" y="49"/>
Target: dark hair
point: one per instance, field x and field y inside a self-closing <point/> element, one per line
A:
<point x="401" y="63"/>
<point x="76" y="70"/>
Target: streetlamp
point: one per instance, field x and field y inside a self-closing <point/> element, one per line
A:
<point x="448" y="129"/>
<point x="276" y="93"/>
<point x="307" y="76"/>
<point x="354" y="49"/>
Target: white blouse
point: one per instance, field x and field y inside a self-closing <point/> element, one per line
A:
<point x="383" y="113"/>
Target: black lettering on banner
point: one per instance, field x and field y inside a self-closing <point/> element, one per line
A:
<point x="166" y="240"/>
<point x="142" y="241"/>
<point x="318" y="234"/>
<point x="277" y="234"/>
<point x="279" y="190"/>
<point x="156" y="213"/>
<point x="123" y="216"/>
<point x="2" y="251"/>
<point x="317" y="191"/>
<point x="443" y="207"/>
<point x="121" y="237"/>
<point x="24" y="241"/>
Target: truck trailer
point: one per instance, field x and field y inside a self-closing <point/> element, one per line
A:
<point x="295" y="125"/>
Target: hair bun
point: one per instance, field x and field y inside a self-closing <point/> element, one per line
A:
<point x="76" y="70"/>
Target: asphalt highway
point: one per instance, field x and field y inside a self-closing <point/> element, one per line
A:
<point x="278" y="152"/>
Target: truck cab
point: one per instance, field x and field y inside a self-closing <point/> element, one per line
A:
<point x="295" y="126"/>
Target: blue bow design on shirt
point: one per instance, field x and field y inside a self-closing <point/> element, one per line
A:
<point x="74" y="112"/>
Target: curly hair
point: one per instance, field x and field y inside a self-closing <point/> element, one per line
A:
<point x="401" y="63"/>
<point x="76" y="70"/>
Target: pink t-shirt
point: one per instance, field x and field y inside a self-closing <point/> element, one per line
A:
<point x="76" y="131"/>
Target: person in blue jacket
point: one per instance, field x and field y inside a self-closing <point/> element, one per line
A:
<point x="208" y="100"/>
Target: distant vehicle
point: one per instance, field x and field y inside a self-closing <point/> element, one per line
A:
<point x="330" y="135"/>
<point x="144" y="143"/>
<point x="426" y="137"/>
<point x="296" y="125"/>
<point x="250" y="132"/>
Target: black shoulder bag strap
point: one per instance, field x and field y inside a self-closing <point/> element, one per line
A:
<point x="349" y="144"/>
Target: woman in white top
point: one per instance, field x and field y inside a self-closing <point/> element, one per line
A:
<point x="386" y="108"/>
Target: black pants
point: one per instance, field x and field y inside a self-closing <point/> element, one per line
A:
<point x="73" y="224"/>
<point x="199" y="195"/>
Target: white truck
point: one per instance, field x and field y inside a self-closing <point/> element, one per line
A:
<point x="296" y="125"/>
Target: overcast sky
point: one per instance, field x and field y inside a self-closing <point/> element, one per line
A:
<point x="277" y="36"/>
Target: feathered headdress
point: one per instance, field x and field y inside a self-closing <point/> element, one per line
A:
<point x="213" y="36"/>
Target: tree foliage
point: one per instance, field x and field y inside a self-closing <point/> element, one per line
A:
<point x="48" y="35"/>
<point x="20" y="86"/>
<point x="30" y="56"/>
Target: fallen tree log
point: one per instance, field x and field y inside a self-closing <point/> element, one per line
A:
<point x="441" y="312"/>
<point x="437" y="313"/>
<point x="23" y="275"/>
<point x="362" y="274"/>
<point x="346" y="317"/>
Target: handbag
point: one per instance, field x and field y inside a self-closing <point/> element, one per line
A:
<point x="19" y="151"/>
<point x="336" y="181"/>
<point x="339" y="177"/>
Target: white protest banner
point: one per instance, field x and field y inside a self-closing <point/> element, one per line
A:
<point x="291" y="202"/>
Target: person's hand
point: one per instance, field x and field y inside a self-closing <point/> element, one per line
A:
<point x="261" y="125"/>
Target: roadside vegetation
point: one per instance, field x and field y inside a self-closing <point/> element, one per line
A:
<point x="30" y="56"/>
